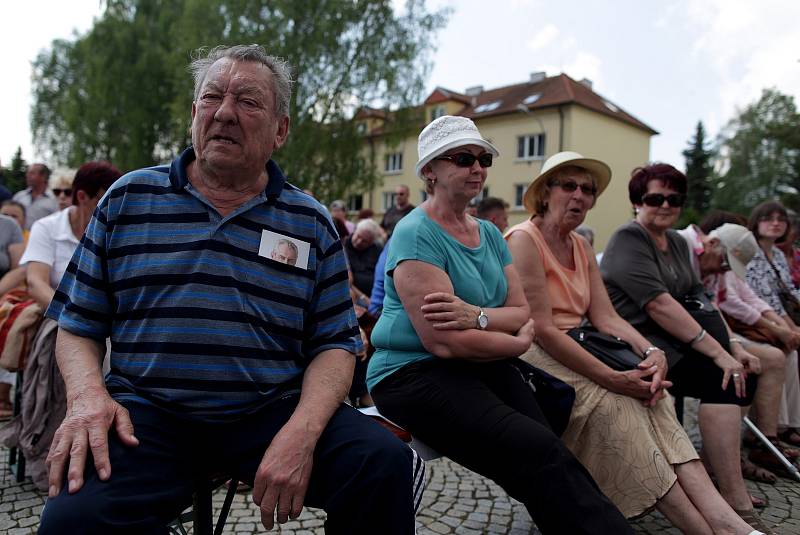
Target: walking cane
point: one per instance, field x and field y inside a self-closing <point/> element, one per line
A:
<point x="775" y="451"/>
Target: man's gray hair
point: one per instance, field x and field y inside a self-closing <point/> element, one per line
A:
<point x="281" y="71"/>
<point x="289" y="243"/>
<point x="369" y="225"/>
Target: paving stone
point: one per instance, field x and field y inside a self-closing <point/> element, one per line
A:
<point x="29" y="521"/>
<point x="438" y="527"/>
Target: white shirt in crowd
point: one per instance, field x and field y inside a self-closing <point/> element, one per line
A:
<point x="52" y="242"/>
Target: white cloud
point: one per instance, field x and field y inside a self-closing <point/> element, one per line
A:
<point x="749" y="46"/>
<point x="548" y="34"/>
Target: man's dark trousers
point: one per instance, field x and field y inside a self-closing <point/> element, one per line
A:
<point x="362" y="474"/>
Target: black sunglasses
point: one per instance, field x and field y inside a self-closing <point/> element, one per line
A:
<point x="59" y="191"/>
<point x="569" y="186"/>
<point x="465" y="159"/>
<point x="657" y="199"/>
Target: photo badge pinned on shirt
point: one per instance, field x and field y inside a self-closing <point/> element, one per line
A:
<point x="284" y="249"/>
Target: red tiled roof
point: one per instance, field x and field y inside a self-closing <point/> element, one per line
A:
<point x="552" y="91"/>
<point x="441" y="94"/>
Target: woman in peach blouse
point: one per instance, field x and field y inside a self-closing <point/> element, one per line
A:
<point x="623" y="426"/>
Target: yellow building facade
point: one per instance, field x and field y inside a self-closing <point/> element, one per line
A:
<point x="527" y="123"/>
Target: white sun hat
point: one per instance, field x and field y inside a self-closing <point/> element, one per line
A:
<point x="740" y="244"/>
<point x="445" y="133"/>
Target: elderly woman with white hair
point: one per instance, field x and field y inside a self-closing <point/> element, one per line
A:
<point x="363" y="249"/>
<point x="454" y="319"/>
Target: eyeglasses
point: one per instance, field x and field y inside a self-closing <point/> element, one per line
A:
<point x="675" y="200"/>
<point x="465" y="159"/>
<point x="59" y="191"/>
<point x="569" y="186"/>
<point x="772" y="219"/>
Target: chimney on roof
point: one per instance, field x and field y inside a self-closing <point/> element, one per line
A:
<point x="474" y="91"/>
<point x="586" y="82"/>
<point x="537" y="77"/>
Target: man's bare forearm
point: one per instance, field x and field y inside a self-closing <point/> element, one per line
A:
<point x="80" y="362"/>
<point x="325" y="386"/>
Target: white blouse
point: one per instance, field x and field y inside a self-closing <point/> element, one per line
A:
<point x="52" y="242"/>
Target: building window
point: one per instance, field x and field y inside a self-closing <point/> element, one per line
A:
<point x="355" y="203"/>
<point x="490" y="106"/>
<point x="436" y="112"/>
<point x="388" y="200"/>
<point x="519" y="195"/>
<point x="394" y="162"/>
<point x="530" y="147"/>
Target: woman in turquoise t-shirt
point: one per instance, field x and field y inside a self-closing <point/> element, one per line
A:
<point x="454" y="319"/>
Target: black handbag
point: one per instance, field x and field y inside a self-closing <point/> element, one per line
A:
<point x="554" y="396"/>
<point x="700" y="308"/>
<point x="788" y="300"/>
<point x="614" y="352"/>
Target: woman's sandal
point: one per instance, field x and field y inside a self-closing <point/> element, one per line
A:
<point x="790" y="435"/>
<point x="755" y="522"/>
<point x="753" y="472"/>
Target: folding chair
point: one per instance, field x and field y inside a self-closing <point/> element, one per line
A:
<point x="201" y="515"/>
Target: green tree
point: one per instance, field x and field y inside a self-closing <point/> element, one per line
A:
<point x="15" y="177"/>
<point x="760" y="155"/>
<point x="698" y="170"/>
<point x="122" y="91"/>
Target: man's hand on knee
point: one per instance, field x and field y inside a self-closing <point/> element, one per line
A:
<point x="282" y="477"/>
<point x="89" y="416"/>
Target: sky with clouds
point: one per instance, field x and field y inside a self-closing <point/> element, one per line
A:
<point x="670" y="63"/>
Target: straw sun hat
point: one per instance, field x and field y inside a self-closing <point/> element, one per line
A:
<point x="599" y="171"/>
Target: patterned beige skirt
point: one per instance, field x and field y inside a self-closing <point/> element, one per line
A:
<point x="629" y="449"/>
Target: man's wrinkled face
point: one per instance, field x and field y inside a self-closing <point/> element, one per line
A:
<point x="234" y="124"/>
<point x="284" y="253"/>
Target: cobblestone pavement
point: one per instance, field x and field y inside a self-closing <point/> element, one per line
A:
<point x="456" y="501"/>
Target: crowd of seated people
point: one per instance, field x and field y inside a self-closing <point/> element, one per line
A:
<point x="623" y="427"/>
<point x="463" y="303"/>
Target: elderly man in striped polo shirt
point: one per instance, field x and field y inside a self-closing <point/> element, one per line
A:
<point x="224" y="360"/>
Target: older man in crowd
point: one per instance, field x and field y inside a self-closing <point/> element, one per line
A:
<point x="223" y="360"/>
<point x="402" y="206"/>
<point x="37" y="199"/>
<point x="362" y="253"/>
<point x="494" y="210"/>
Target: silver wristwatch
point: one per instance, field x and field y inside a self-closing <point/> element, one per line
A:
<point x="483" y="320"/>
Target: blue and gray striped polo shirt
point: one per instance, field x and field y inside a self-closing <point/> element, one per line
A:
<point x="202" y="320"/>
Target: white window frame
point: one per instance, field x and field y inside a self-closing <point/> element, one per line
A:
<point x="519" y="191"/>
<point x="388" y="199"/>
<point x="437" y="111"/>
<point x="534" y="153"/>
<point x="393" y="163"/>
<point x="351" y="201"/>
